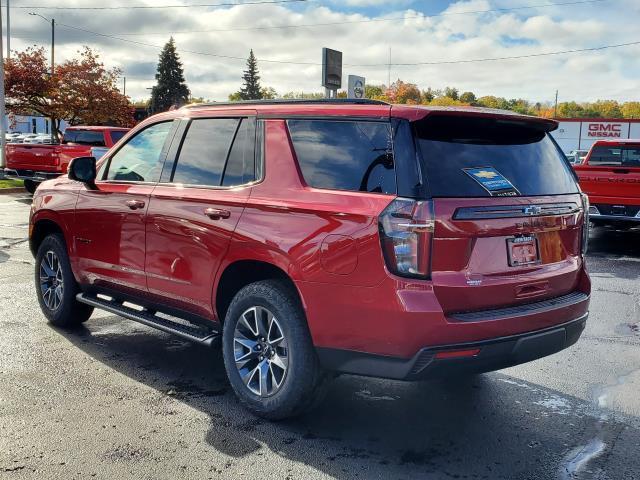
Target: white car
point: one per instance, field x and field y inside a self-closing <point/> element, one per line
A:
<point x="576" y="157"/>
<point x="14" y="137"/>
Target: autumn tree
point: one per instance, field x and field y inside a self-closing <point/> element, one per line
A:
<point x="81" y="90"/>
<point x="373" y="91"/>
<point x="468" y="97"/>
<point x="631" y="110"/>
<point x="170" y="89"/>
<point x="402" y="92"/>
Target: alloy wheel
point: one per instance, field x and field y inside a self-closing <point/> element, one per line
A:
<point x="260" y="351"/>
<point x="51" y="280"/>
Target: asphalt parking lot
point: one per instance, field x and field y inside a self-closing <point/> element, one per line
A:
<point x="119" y="400"/>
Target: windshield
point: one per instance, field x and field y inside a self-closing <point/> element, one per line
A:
<point x="476" y="157"/>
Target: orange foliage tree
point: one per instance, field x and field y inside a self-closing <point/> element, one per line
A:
<point x="81" y="90"/>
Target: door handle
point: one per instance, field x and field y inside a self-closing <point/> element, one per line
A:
<point x="216" y="213"/>
<point x="134" y="204"/>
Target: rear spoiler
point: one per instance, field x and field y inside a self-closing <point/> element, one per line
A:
<point x="415" y="113"/>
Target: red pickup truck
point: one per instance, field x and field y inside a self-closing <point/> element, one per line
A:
<point x="35" y="163"/>
<point x="610" y="176"/>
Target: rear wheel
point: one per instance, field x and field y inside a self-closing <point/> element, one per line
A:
<point x="56" y="286"/>
<point x="268" y="353"/>
<point x="30" y="186"/>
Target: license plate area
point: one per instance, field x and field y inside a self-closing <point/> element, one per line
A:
<point x="523" y="251"/>
<point x="619" y="210"/>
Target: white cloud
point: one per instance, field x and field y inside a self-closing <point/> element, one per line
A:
<point x="414" y="38"/>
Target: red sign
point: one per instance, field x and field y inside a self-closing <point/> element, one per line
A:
<point x="605" y="130"/>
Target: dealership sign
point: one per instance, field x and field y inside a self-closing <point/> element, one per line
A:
<point x="604" y="130"/>
<point x="574" y="134"/>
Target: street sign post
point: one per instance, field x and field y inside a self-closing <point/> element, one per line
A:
<point x="331" y="71"/>
<point x="356" y="87"/>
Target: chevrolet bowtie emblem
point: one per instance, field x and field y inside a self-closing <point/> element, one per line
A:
<point x="486" y="174"/>
<point x="533" y="210"/>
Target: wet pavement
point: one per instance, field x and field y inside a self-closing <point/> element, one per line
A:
<point x="120" y="400"/>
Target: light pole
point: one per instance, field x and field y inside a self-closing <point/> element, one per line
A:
<point x="3" y="139"/>
<point x="8" y="31"/>
<point x="53" y="46"/>
<point x="53" y="37"/>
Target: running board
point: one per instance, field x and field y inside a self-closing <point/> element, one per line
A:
<point x="195" y="334"/>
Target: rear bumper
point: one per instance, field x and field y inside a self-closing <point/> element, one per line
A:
<point x="34" y="175"/>
<point x="612" y="213"/>
<point x="492" y="355"/>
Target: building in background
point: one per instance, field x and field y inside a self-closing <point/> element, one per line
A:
<point x="30" y="124"/>
<point x="581" y="133"/>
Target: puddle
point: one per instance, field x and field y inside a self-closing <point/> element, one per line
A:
<point x="580" y="456"/>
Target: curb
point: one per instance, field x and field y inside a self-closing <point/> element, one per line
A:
<point x="12" y="190"/>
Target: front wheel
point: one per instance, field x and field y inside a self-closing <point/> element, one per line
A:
<point x="268" y="353"/>
<point x="30" y="186"/>
<point x="56" y="286"/>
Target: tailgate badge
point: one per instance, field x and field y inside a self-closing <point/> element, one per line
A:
<point x="532" y="210"/>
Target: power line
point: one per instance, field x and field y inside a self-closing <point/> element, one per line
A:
<point x="400" y="64"/>
<point x="363" y="21"/>
<point x="494" y="59"/>
<point x="148" y="7"/>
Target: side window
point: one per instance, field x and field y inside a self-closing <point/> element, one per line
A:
<point x="204" y="151"/>
<point x="240" y="168"/>
<point x="139" y="160"/>
<point x="116" y="135"/>
<point x="345" y="155"/>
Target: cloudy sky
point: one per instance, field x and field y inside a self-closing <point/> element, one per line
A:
<point x="288" y="37"/>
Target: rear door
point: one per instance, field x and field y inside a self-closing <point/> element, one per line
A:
<point x="195" y="209"/>
<point x="507" y="209"/>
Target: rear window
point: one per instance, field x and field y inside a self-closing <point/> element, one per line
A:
<point x="616" y="156"/>
<point x="345" y="155"/>
<point x="479" y="157"/>
<point x="94" y="138"/>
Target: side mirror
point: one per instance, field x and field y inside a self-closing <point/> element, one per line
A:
<point x="83" y="169"/>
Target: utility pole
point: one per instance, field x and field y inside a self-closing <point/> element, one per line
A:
<point x="555" y="109"/>
<point x="53" y="43"/>
<point x="124" y="86"/>
<point x="53" y="37"/>
<point x="8" y="31"/>
<point x="53" y="47"/>
<point x="3" y="137"/>
<point x="389" y="70"/>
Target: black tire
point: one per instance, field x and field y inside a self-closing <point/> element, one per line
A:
<point x="30" y="186"/>
<point x="303" y="385"/>
<point x="68" y="312"/>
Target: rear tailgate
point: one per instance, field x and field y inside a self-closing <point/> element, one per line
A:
<point x="508" y="213"/>
<point x="473" y="242"/>
<point x="33" y="157"/>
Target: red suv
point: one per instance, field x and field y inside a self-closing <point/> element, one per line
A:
<point x="308" y="237"/>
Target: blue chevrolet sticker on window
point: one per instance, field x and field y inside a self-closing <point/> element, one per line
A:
<point x="492" y="180"/>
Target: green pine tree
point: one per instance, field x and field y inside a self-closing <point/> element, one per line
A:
<point x="170" y="89"/>
<point x="251" y="89"/>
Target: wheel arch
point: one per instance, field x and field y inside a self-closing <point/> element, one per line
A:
<point x="41" y="228"/>
<point x="242" y="272"/>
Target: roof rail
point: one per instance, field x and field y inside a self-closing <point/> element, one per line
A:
<point x="287" y="101"/>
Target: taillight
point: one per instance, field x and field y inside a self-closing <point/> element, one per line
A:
<point x="406" y="230"/>
<point x="585" y="225"/>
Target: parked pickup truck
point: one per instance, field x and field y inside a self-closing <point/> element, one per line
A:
<point x="610" y="176"/>
<point x="35" y="163"/>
